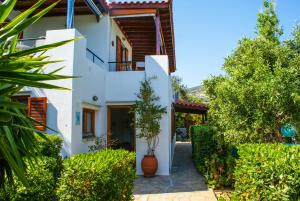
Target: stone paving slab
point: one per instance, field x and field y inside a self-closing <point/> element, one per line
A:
<point x="207" y="195"/>
<point x="184" y="183"/>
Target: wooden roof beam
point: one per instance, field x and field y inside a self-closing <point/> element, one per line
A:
<point x="121" y="13"/>
<point x="155" y="5"/>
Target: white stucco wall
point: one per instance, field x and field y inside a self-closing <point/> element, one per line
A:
<point x="157" y="66"/>
<point x="96" y="34"/>
<point x="115" y="31"/>
<point x="63" y="105"/>
<point x="91" y="82"/>
<point x="95" y="80"/>
<point x="59" y="102"/>
<point x="123" y="86"/>
<point x="99" y="35"/>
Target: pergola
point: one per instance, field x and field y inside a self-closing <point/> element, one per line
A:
<point x="192" y="108"/>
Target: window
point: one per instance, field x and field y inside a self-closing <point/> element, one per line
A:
<point x="23" y="100"/>
<point x="36" y="108"/>
<point x="88" y="128"/>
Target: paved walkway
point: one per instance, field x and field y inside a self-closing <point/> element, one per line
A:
<point x="184" y="183"/>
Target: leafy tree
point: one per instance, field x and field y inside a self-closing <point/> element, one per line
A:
<point x="179" y="87"/>
<point x="148" y="115"/>
<point x="19" y="68"/>
<point x="182" y="91"/>
<point x="259" y="92"/>
<point x="268" y="23"/>
<point x="181" y="119"/>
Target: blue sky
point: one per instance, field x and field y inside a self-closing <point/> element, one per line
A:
<point x="207" y="31"/>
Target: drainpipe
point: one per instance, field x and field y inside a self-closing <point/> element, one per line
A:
<point x="70" y="14"/>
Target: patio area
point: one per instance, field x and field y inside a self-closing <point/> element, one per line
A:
<point x="184" y="183"/>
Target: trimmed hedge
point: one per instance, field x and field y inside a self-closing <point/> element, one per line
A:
<point x="267" y="172"/>
<point x="42" y="176"/>
<point x="105" y="175"/>
<point x="212" y="157"/>
<point x="203" y="146"/>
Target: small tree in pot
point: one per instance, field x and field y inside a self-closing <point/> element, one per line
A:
<point x="148" y="115"/>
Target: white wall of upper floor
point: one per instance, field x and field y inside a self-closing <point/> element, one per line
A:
<point x="115" y="31"/>
<point x="100" y="36"/>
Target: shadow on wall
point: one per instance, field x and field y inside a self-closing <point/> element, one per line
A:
<point x="51" y="118"/>
<point x="53" y="125"/>
<point x="161" y="70"/>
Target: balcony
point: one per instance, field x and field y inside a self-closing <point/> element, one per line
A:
<point x="126" y="66"/>
<point x="122" y="86"/>
<point x="93" y="57"/>
<point x="27" y="43"/>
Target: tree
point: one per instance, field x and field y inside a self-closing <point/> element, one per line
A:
<point x="181" y="90"/>
<point x="268" y="23"/>
<point x="181" y="119"/>
<point x="148" y="115"/>
<point x="258" y="93"/>
<point x="20" y="68"/>
<point x="179" y="87"/>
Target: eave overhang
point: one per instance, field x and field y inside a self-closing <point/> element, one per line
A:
<point x="189" y="107"/>
<point x="81" y="7"/>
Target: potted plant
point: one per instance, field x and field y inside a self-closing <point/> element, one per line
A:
<point x="148" y="115"/>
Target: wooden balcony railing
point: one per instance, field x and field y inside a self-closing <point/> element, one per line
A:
<point x="125" y="66"/>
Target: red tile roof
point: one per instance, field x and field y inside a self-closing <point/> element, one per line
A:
<point x="189" y="107"/>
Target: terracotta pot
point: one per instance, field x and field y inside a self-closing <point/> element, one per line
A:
<point x="149" y="165"/>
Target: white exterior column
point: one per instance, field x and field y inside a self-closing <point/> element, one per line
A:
<point x="157" y="66"/>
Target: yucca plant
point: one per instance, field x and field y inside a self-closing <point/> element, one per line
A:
<point x="20" y="68"/>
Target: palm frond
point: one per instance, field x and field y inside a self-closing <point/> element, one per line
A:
<point x="18" y="69"/>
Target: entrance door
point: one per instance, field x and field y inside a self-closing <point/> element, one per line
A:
<point x="120" y="131"/>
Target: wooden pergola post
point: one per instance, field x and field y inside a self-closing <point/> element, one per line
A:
<point x="158" y="34"/>
<point x="70" y="14"/>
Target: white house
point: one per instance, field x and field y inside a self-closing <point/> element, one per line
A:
<point x="121" y="43"/>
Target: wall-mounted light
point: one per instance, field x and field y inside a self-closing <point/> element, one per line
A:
<point x="112" y="43"/>
<point x="95" y="98"/>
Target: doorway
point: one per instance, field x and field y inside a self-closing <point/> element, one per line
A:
<point x="120" y="131"/>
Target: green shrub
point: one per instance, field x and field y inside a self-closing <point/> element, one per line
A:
<point x="213" y="158"/>
<point x="41" y="181"/>
<point x="42" y="176"/>
<point x="267" y="172"/>
<point x="220" y="167"/>
<point x="203" y="146"/>
<point x="105" y="175"/>
<point x="51" y="147"/>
